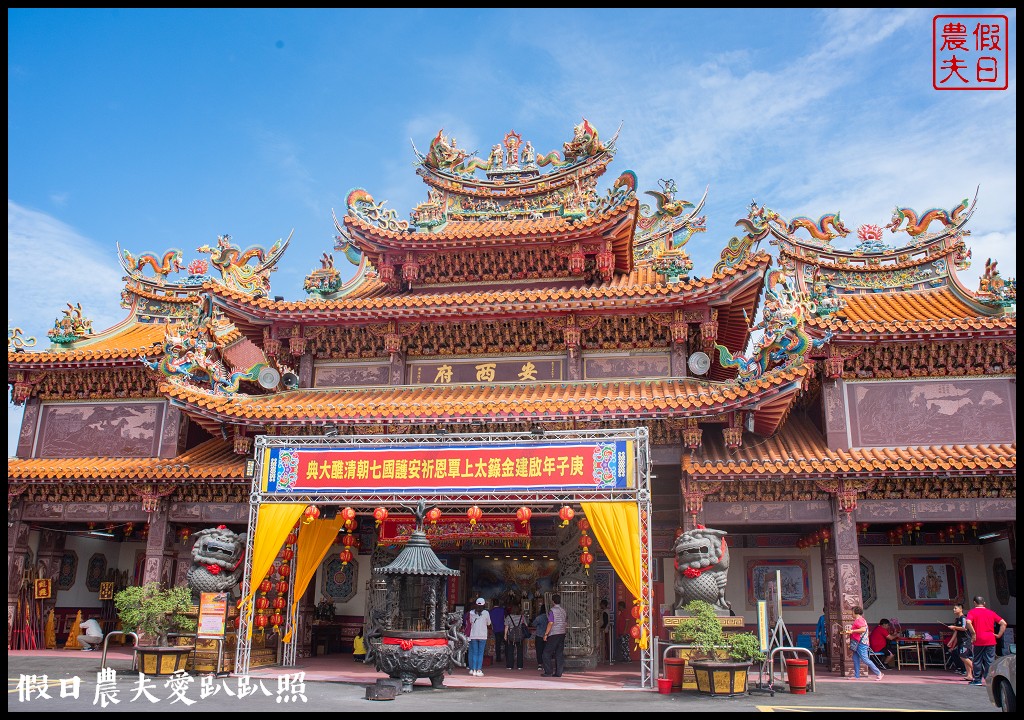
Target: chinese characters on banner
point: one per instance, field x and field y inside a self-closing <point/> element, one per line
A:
<point x="475" y="371"/>
<point x="595" y="465"/>
<point x="970" y="52"/>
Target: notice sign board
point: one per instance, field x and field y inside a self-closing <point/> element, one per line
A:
<point x="580" y="465"/>
<point x="213" y="614"/>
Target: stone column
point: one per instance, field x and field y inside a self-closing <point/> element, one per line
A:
<point x="51" y="550"/>
<point x="677" y="359"/>
<point x="396" y="369"/>
<point x="306" y="370"/>
<point x="574" y="364"/>
<point x="160" y="549"/>
<point x="17" y="552"/>
<point x="840" y="568"/>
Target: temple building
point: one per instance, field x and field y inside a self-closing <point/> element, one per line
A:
<point x="845" y="411"/>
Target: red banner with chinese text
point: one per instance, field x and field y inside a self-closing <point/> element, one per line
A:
<point x="491" y="531"/>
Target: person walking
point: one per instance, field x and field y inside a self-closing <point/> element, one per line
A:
<point x="516" y="632"/>
<point x="498" y="623"/>
<point x="479" y="621"/>
<point x="821" y="638"/>
<point x="982" y="624"/>
<point x="858" y="633"/>
<point x="554" y="638"/>
<point x="540" y="624"/>
<point x="960" y="643"/>
<point x="602" y="621"/>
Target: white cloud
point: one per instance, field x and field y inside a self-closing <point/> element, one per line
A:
<point x="48" y="265"/>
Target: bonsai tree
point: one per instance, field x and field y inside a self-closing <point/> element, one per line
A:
<point x="703" y="630"/>
<point x="151" y="610"/>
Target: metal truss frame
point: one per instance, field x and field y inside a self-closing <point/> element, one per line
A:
<point x="543" y="501"/>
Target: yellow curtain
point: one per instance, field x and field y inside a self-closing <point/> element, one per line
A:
<point x="616" y="526"/>
<point x="315" y="540"/>
<point x="273" y="523"/>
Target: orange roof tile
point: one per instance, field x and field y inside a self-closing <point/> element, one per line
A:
<point x="799" y="449"/>
<point x="500" y="401"/>
<point x="212" y="460"/>
<point x="637" y="288"/>
<point x="911" y="311"/>
<point x="120" y="343"/>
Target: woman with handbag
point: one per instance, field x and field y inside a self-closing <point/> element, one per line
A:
<point x="858" y="633"/>
<point x="516" y="632"/>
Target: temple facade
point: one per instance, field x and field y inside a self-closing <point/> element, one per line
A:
<point x="844" y="408"/>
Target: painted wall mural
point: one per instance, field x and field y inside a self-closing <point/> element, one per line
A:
<point x="97" y="571"/>
<point x="100" y="430"/>
<point x="626" y="367"/>
<point x="795" y="577"/>
<point x="927" y="581"/>
<point x="351" y="375"/>
<point x="498" y="578"/>
<point x="931" y="412"/>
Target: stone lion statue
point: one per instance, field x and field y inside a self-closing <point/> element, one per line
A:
<point x="216" y="560"/>
<point x="702" y="567"/>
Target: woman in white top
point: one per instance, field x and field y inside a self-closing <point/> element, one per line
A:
<point x="479" y="621"/>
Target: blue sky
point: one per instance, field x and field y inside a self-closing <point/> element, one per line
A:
<point x="164" y="128"/>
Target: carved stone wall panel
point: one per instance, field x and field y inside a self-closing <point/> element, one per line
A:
<point x="834" y="402"/>
<point x="997" y="510"/>
<point x="171" y="432"/>
<point x="184" y="512"/>
<point x="225" y="513"/>
<point x="43" y="511"/>
<point x="780" y="513"/>
<point x="128" y="512"/>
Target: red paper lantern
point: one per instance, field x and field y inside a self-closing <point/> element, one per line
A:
<point x="283" y="569"/>
<point x="238" y="619"/>
<point x="311" y="513"/>
<point x="635" y="612"/>
<point x="474" y="514"/>
<point x="282" y="586"/>
<point x="348" y="514"/>
<point x="291" y="539"/>
<point x="634" y="632"/>
<point x="286" y="554"/>
<point x="566" y="514"/>
<point x="279" y="603"/>
<point x="523" y="515"/>
<point x="380" y="515"/>
<point x="350" y="525"/>
<point x="185" y="533"/>
<point x="433" y="515"/>
<point x="586" y="558"/>
<point x="345" y="556"/>
<point x="586" y="541"/>
<point x="262" y="603"/>
<point x="265" y="586"/>
<point x="276" y="619"/>
<point x="350" y="541"/>
<point x="584" y="524"/>
<point x="260" y="621"/>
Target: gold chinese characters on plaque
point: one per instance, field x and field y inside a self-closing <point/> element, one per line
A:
<point x="106" y="591"/>
<point x="43" y="589"/>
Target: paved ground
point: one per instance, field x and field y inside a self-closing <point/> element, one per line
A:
<point x="607" y="690"/>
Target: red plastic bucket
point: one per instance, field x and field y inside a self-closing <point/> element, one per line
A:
<point x="797" y="672"/>
<point x="674" y="671"/>
<point x="665" y="686"/>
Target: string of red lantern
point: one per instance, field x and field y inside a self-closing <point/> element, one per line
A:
<point x="585" y="542"/>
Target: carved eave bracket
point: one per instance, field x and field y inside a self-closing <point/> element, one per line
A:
<point x="694" y="494"/>
<point x="394" y="335"/>
<point x="709" y="332"/>
<point x="24" y="386"/>
<point x="151" y="494"/>
<point x="14" y="491"/>
<point x="845" y="490"/>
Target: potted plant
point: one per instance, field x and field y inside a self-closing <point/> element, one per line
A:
<point x="152" y="612"/>
<point x="719" y="662"/>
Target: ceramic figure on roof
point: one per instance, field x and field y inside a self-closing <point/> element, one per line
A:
<point x="529" y="157"/>
<point x="827" y="228"/>
<point x="585" y="143"/>
<point x="917" y="225"/>
<point x="667" y="229"/>
<point x="70" y="328"/>
<point x="739" y="247"/>
<point x="993" y="290"/>
<point x="443" y="153"/>
<point x="16" y="340"/>
<point x="362" y="205"/>
<point x="169" y="263"/>
<point x="235" y="270"/>
<point x="326" y="280"/>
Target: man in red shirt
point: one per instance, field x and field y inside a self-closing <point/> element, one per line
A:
<point x="981" y="623"/>
<point x="882" y="638"/>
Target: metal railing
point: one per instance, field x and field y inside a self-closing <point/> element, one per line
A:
<point x="106" y="639"/>
<point x="798" y="651"/>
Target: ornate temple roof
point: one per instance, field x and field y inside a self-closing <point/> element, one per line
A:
<point x="126" y="341"/>
<point x="641" y="288"/>
<point x="211" y="461"/>
<point x="497" y="402"/>
<point x="799" y="449"/>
